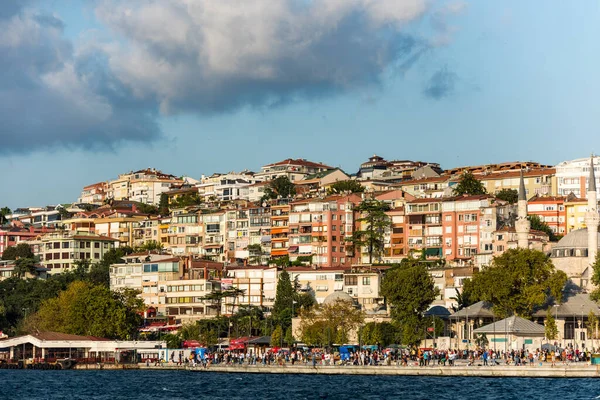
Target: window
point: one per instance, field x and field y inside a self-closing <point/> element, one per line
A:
<point x="448" y="218"/>
<point x="333" y="249"/>
<point x="96" y="245"/>
<point x="334" y="238"/>
<point x="321" y="277"/>
<point x="351" y="280"/>
<point x="65" y="245"/>
<point x="366" y="280"/>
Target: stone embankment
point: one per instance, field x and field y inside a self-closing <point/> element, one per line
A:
<point x="544" y="371"/>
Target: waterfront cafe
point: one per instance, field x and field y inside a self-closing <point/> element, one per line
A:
<point x="50" y="346"/>
<point x="513" y="333"/>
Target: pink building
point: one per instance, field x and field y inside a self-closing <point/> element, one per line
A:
<point x="13" y="235"/>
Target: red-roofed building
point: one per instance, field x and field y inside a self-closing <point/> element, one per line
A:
<point x="551" y="210"/>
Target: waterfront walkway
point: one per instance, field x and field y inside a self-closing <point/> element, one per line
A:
<point x="575" y="370"/>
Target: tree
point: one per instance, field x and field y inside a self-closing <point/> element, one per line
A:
<point x="255" y="253"/>
<point x="330" y="323"/>
<point x="409" y="290"/>
<point x="379" y="333"/>
<point x="350" y="186"/>
<point x="517" y="282"/>
<point x="509" y="195"/>
<point x="277" y="337"/>
<point x="85" y="309"/>
<point x="595" y="295"/>
<point x="24" y="266"/>
<point x="550" y="328"/>
<point x="375" y="222"/>
<point x="163" y="205"/>
<point x="468" y="185"/>
<point x="151" y="245"/>
<point x="22" y="250"/>
<point x="147" y="208"/>
<point x="284" y="296"/>
<point x="4" y="211"/>
<point x="279" y="187"/>
<point x="539" y="225"/>
<point x="289" y="337"/>
<point x="461" y="299"/>
<point x="481" y="340"/>
<point x="592" y="328"/>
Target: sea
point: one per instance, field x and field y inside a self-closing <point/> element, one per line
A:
<point x="149" y="385"/>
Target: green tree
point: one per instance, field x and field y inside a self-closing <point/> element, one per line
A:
<point x="592" y="326"/>
<point x="461" y="299"/>
<point x="255" y="254"/>
<point x="595" y="295"/>
<point x="25" y="266"/>
<point x="4" y="211"/>
<point x="518" y="281"/>
<point x="379" y="333"/>
<point x="187" y="200"/>
<point x="146" y="208"/>
<point x="163" y="205"/>
<point x="350" y="186"/>
<point x="330" y="323"/>
<point x="509" y="195"/>
<point x="550" y="328"/>
<point x="279" y="187"/>
<point x="539" y="225"/>
<point x="151" y="245"/>
<point x="22" y="250"/>
<point x="409" y="290"/>
<point x="277" y="337"/>
<point x="468" y="185"/>
<point x="289" y="337"/>
<point x="375" y="222"/>
<point x="284" y="296"/>
<point x="481" y="340"/>
<point x="85" y="309"/>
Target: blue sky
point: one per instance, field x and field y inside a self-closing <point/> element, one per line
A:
<point x="104" y="87"/>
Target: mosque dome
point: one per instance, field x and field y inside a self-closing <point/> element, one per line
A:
<point x="574" y="244"/>
<point x="335" y="296"/>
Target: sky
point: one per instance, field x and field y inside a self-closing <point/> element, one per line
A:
<point x="94" y="88"/>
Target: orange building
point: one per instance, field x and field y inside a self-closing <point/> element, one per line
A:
<point x="551" y="210"/>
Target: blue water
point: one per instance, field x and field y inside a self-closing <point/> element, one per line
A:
<point x="149" y="385"/>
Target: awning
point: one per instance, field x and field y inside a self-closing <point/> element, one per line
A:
<point x="433" y="252"/>
<point x="293" y="249"/>
<point x="213" y="246"/>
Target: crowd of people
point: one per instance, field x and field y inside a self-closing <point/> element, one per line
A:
<point x="397" y="357"/>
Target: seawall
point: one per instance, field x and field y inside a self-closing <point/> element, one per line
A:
<point x="544" y="371"/>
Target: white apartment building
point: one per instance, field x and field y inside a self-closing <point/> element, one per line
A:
<point x="226" y="187"/>
<point x="259" y="284"/>
<point x="572" y="176"/>
<point x="144" y="186"/>
<point x="295" y="170"/>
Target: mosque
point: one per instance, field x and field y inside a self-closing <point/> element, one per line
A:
<point x="576" y="252"/>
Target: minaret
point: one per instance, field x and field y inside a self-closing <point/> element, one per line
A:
<point x="591" y="216"/>
<point x="522" y="225"/>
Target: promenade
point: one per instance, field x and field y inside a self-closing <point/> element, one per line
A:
<point x="575" y="370"/>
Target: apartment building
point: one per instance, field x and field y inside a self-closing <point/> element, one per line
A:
<point x="396" y="237"/>
<point x="506" y="238"/>
<point x="551" y="210"/>
<point x="58" y="251"/>
<point x="185" y="300"/>
<point x="280" y="214"/>
<point x="319" y="228"/>
<point x="293" y="169"/>
<point x="121" y="226"/>
<point x="11" y="236"/>
<point x="93" y="194"/>
<point x="213" y="228"/>
<point x="575" y="209"/>
<point x="259" y="232"/>
<point x="319" y="282"/>
<point x="538" y="181"/>
<point x="363" y="285"/>
<point x="425" y="231"/>
<point x="184" y="232"/>
<point x="437" y="186"/>
<point x="572" y="176"/>
<point x="259" y="286"/>
<point x="144" y="186"/>
<point x="226" y="187"/>
<point x="319" y="183"/>
<point x="461" y="226"/>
